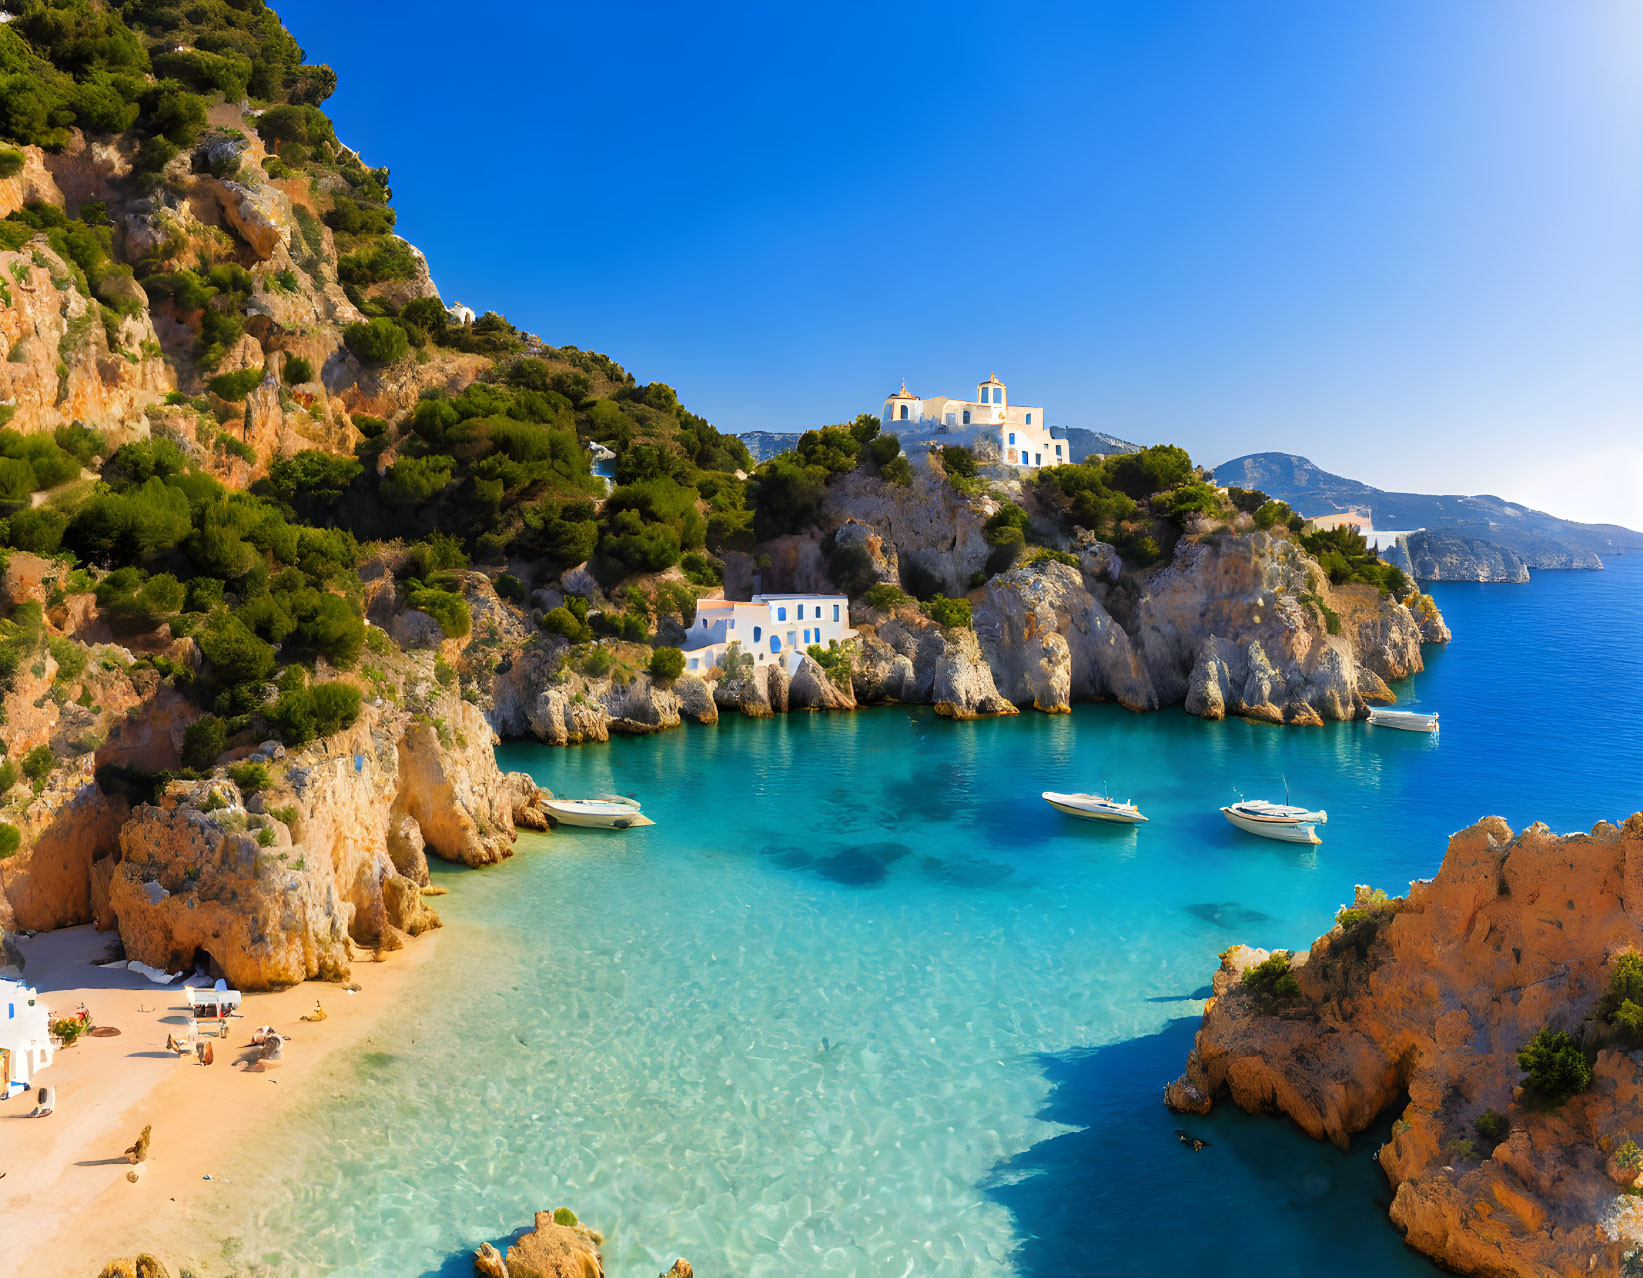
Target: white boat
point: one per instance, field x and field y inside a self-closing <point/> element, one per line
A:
<point x="1408" y="720"/>
<point x="1094" y="807"/>
<point x="610" y="813"/>
<point x="1281" y="821"/>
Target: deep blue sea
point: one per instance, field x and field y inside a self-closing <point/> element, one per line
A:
<point x="860" y="1003"/>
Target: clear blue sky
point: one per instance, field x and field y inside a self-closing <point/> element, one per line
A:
<point x="1401" y="237"/>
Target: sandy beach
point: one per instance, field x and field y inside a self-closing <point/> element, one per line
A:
<point x="66" y="1207"/>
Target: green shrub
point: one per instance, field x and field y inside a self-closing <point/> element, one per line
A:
<point x="701" y="569"/>
<point x="947" y="612"/>
<point x="301" y="714"/>
<point x="38" y="530"/>
<point x="1622" y="1006"/>
<point x="265" y="836"/>
<point x="1557" y="1069"/>
<point x="298" y="370"/>
<point x="203" y="741"/>
<point x="377" y="341"/>
<point x="1492" y="1127"/>
<point x="887" y="598"/>
<point x="1273" y="513"/>
<point x="597" y="663"/>
<point x="450" y="610"/>
<point x="249" y="776"/>
<point x="8" y="775"/>
<point x="509" y="587"/>
<point x="69" y="656"/>
<point x="38" y="762"/>
<point x="667" y="664"/>
<point x="1272" y="978"/>
<point x="235" y="386"/>
<point x="11" y="838"/>
<point x="885" y="449"/>
<point x="11" y="162"/>
<point x="237" y="655"/>
<point x="564" y="1216"/>
<point x="562" y="621"/>
<point x="898" y="471"/>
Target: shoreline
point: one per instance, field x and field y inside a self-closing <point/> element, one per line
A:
<point x="65" y="1205"/>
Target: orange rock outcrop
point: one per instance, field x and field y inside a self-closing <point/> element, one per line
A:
<point x="1425" y="1001"/>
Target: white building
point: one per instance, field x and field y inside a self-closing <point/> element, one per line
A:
<point x="772" y="629"/>
<point x="1017" y="432"/>
<point x="25" y="1036"/>
<point x="460" y="314"/>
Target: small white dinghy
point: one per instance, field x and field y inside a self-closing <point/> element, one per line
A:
<point x="609" y="813"/>
<point x="1281" y="821"/>
<point x="1408" y="720"/>
<point x="1094" y="807"/>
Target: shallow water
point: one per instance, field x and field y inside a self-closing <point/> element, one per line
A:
<point x="860" y="1003"/>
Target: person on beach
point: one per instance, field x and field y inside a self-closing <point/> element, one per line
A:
<point x="206" y="1054"/>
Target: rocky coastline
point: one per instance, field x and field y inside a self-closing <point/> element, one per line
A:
<point x="1423" y="1004"/>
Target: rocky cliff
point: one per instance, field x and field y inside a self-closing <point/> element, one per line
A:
<point x="281" y="884"/>
<point x="1424" y="1002"/>
<point x="1435" y="556"/>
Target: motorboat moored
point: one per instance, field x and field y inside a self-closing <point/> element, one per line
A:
<point x="1094" y="807"/>
<point x="1408" y="720"/>
<point x="610" y="813"/>
<point x="1282" y="821"/>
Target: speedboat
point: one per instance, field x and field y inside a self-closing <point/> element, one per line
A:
<point x="1408" y="720"/>
<point x="610" y="813"/>
<point x="1094" y="807"/>
<point x="1281" y="821"/>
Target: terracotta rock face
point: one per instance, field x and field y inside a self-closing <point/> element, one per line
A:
<point x="1433" y="995"/>
<point x="556" y="1251"/>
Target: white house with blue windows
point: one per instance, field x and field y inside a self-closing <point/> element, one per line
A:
<point x="25" y="1036"/>
<point x="1015" y="433"/>
<point x="772" y="629"/>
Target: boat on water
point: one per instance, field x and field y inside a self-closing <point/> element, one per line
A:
<point x="1408" y="720"/>
<point x="1094" y="807"/>
<point x="611" y="812"/>
<point x="1282" y="821"/>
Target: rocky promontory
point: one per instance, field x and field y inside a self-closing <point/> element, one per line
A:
<point x="1427" y="1002"/>
<point x="1434" y="556"/>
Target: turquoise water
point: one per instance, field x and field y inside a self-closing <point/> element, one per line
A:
<point x="860" y="1003"/>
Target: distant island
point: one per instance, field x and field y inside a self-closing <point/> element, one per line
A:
<point x="1464" y="538"/>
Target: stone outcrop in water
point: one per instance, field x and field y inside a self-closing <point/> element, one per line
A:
<point x="912" y="660"/>
<point x="1436" y="556"/>
<point x="558" y="1246"/>
<point x="1432" y="996"/>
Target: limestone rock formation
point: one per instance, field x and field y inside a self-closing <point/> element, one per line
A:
<point x="1434" y="994"/>
<point x="910" y="659"/>
<point x="278" y="886"/>
<point x="1049" y="642"/>
<point x="810" y="687"/>
<point x="1435" y="556"/>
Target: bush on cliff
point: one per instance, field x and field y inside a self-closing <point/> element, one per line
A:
<point x="1622" y="1007"/>
<point x="377" y="341"/>
<point x="1492" y="1127"/>
<point x="11" y="838"/>
<point x="1557" y="1069"/>
<point x="947" y="612"/>
<point x="203" y="741"/>
<point x="301" y="714"/>
<point x="235" y="386"/>
<point x="450" y="610"/>
<point x="667" y="664"/>
<point x="1272" y="980"/>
